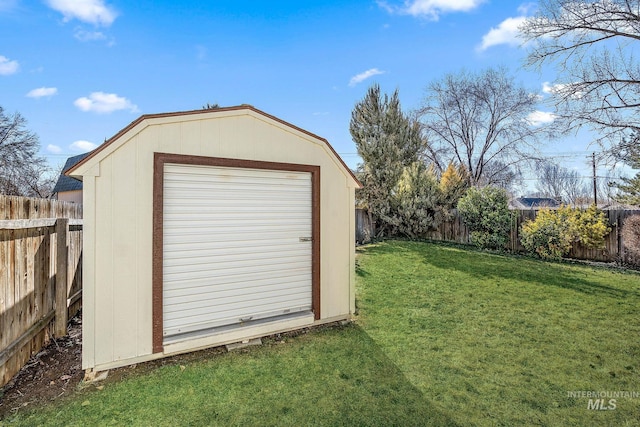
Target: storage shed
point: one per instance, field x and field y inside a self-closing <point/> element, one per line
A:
<point x="210" y="227"/>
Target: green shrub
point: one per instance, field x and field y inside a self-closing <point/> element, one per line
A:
<point x="549" y="235"/>
<point x="486" y="212"/>
<point x="591" y="227"/>
<point x="553" y="232"/>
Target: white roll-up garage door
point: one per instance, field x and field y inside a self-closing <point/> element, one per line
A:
<point x="236" y="246"/>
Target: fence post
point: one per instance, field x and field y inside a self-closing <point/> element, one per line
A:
<point x="62" y="233"/>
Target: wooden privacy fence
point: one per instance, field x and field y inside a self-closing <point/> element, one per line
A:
<point x="456" y="231"/>
<point x="40" y="275"/>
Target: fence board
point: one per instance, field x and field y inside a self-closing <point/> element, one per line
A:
<point x="454" y="230"/>
<point x="28" y="272"/>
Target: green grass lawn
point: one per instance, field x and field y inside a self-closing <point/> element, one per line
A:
<point x="444" y="336"/>
<point x="500" y="340"/>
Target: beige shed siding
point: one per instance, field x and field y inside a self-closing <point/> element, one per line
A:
<point x="118" y="278"/>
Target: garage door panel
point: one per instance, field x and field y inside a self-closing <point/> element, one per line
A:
<point x="233" y="202"/>
<point x="247" y="214"/>
<point x="225" y="248"/>
<point x="237" y="312"/>
<point x="231" y="191"/>
<point x="257" y="245"/>
<point x="232" y="315"/>
<point x="226" y="174"/>
<point x="223" y="299"/>
<point x="229" y="273"/>
<point x="240" y="207"/>
<point x="220" y="254"/>
<point x="203" y="286"/>
<point x="267" y="224"/>
<point x="235" y="225"/>
<point x="231" y="238"/>
<point x="220" y="184"/>
<point x="231" y="269"/>
<point x="232" y="261"/>
<point x="188" y="195"/>
<point x="232" y="246"/>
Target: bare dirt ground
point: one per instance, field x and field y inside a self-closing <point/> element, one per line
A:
<point x="55" y="371"/>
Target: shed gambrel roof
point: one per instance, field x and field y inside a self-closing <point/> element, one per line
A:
<point x="65" y="182"/>
<point x="147" y="117"/>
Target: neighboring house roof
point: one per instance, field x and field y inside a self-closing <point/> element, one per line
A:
<point x="145" y="119"/>
<point x="534" y="203"/>
<point x="67" y="183"/>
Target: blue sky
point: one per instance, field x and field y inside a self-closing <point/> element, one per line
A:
<point x="81" y="70"/>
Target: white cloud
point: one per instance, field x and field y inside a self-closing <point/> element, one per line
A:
<point x="538" y="118"/>
<point x="90" y="11"/>
<point x="88" y="36"/>
<point x="551" y="89"/>
<point x="505" y="33"/>
<point x="431" y="9"/>
<point x="562" y="90"/>
<point x="100" y="102"/>
<point x="7" y="66"/>
<point x="358" y="78"/>
<point x="54" y="149"/>
<point x="547" y="87"/>
<point x="42" y="92"/>
<point x="83" y="146"/>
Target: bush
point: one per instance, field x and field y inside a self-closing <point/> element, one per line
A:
<point x="486" y="212"/>
<point x="631" y="238"/>
<point x="591" y="227"/>
<point x="548" y="235"/>
<point x="553" y="232"/>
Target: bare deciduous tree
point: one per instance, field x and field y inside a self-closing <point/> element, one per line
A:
<point x="22" y="171"/>
<point x="482" y="121"/>
<point x="591" y="44"/>
<point x="559" y="182"/>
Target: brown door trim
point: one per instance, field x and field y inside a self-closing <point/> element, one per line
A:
<point x="158" y="203"/>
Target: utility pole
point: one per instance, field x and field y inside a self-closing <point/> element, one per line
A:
<point x="595" y="183"/>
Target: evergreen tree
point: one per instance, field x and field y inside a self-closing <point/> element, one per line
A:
<point x="418" y="201"/>
<point x="387" y="140"/>
<point x="630" y="190"/>
<point x="629" y="152"/>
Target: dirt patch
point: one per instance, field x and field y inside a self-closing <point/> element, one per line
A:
<point x="55" y="371"/>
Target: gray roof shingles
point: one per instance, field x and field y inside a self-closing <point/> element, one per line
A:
<point x="66" y="183"/>
<point x="537" y="202"/>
